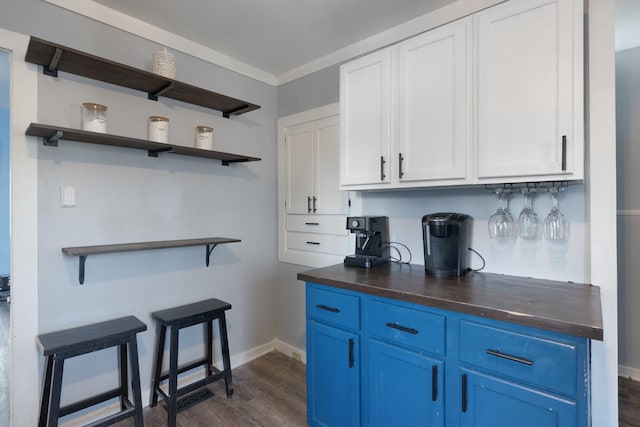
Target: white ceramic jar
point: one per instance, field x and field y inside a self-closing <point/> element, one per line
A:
<point x="158" y="129"/>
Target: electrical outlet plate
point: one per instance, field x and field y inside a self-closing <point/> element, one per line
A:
<point x="67" y="196"/>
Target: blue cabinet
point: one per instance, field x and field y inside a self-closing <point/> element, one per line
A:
<point x="376" y="361"/>
<point x="490" y="401"/>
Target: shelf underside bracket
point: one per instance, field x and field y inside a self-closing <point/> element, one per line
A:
<point x="52" y="68"/>
<point x="228" y="113"/>
<point x="52" y="140"/>
<point x="154" y="96"/>
<point x="210" y="249"/>
<point x="82" y="260"/>
<point x="154" y="153"/>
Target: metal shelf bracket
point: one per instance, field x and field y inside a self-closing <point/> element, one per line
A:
<point x="210" y="249"/>
<point x="52" y="140"/>
<point x="154" y="96"/>
<point x="52" y="68"/>
<point x="228" y="113"/>
<point x="81" y="261"/>
<point x="154" y="153"/>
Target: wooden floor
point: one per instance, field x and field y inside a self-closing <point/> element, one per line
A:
<point x="5" y="342"/>
<point x="629" y="402"/>
<point x="268" y="391"/>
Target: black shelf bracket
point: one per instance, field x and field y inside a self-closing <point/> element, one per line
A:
<point x="154" y="153"/>
<point x="52" y="140"/>
<point x="228" y="113"/>
<point x="154" y="96"/>
<point x="81" y="261"/>
<point x="52" y="68"/>
<point x="210" y="249"/>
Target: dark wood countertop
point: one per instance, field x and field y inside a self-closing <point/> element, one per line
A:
<point x="568" y="308"/>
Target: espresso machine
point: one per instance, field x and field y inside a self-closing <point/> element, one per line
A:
<point x="372" y="240"/>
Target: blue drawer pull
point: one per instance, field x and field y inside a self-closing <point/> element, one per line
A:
<point x="402" y="328"/>
<point x="498" y="353"/>
<point x="327" y="308"/>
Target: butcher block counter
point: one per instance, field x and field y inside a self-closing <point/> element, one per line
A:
<point x="567" y="308"/>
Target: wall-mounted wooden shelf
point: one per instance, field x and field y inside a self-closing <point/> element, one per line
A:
<point x="51" y="135"/>
<point x="54" y="57"/>
<point x="84" y="251"/>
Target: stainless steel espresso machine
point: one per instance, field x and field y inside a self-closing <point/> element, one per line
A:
<point x="372" y="240"/>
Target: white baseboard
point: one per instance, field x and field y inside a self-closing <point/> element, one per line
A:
<point x="291" y="351"/>
<point x="236" y="360"/>
<point x="627" y="372"/>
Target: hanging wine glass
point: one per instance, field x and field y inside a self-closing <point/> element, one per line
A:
<point x="527" y="220"/>
<point x="556" y="225"/>
<point x="501" y="224"/>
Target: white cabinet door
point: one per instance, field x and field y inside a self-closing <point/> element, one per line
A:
<point x="299" y="172"/>
<point x="433" y="98"/>
<point x="329" y="198"/>
<point x="529" y="90"/>
<point x="365" y="96"/>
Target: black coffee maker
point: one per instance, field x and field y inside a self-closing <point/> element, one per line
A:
<point x="372" y="240"/>
<point x="446" y="244"/>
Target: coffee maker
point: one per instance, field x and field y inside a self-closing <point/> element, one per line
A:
<point x="446" y="244"/>
<point x="372" y="240"/>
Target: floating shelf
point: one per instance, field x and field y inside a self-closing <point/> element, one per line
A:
<point x="84" y="251"/>
<point x="52" y="134"/>
<point x="54" y="57"/>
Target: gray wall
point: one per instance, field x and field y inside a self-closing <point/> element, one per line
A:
<point x="5" y="247"/>
<point x="124" y="196"/>
<point x="628" y="169"/>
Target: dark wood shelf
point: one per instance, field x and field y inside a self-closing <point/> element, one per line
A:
<point x="52" y="134"/>
<point x="54" y="57"/>
<point x="84" y="251"/>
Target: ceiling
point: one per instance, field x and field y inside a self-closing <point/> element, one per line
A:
<point x="275" y="35"/>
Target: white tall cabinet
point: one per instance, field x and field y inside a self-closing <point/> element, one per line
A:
<point x="529" y="102"/>
<point x="311" y="209"/>
<point x="495" y="97"/>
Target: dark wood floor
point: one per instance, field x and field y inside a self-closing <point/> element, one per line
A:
<point x="629" y="402"/>
<point x="268" y="391"/>
<point x="5" y="342"/>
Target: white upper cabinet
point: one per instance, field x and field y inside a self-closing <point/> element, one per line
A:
<point x="432" y="91"/>
<point x="365" y="109"/>
<point x="529" y="91"/>
<point x="311" y="159"/>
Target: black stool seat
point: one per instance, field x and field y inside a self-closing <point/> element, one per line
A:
<point x="177" y="318"/>
<point x="60" y="345"/>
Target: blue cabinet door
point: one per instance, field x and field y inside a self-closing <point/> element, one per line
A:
<point x="491" y="402"/>
<point x="406" y="388"/>
<point x="333" y="376"/>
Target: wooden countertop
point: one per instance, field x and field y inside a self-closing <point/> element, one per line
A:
<point x="568" y="308"/>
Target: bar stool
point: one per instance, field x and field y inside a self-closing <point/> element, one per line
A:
<point x="60" y="345"/>
<point x="181" y="317"/>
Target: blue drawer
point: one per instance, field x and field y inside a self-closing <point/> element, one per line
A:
<point x="334" y="307"/>
<point x="406" y="326"/>
<point x="538" y="361"/>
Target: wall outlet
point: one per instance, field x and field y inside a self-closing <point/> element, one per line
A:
<point x="67" y="196"/>
<point x="297" y="356"/>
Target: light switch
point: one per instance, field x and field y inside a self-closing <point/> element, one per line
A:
<point x="67" y="196"/>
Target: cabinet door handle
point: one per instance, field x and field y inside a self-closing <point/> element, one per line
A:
<point x="313" y="243"/>
<point x="314" y="204"/>
<point x="502" y="355"/>
<point x="464" y="392"/>
<point x="434" y="383"/>
<point x="402" y="328"/>
<point x="327" y="308"/>
<point x="311" y="223"/>
<point x="308" y="204"/>
<point x="400" y="159"/>
<point x="564" y="153"/>
<point x="382" y="162"/>
<point x="351" y="355"/>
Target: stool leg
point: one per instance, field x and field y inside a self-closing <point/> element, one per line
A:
<point x="222" y="323"/>
<point x="157" y="364"/>
<point x="173" y="377"/>
<point x="135" y="381"/>
<point x="209" y="343"/>
<point x="124" y="384"/>
<point x="46" y="392"/>
<point x="56" y="390"/>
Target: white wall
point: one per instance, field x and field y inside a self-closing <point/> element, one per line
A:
<point x="4" y="162"/>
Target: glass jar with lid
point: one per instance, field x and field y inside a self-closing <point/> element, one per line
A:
<point x="94" y="117"/>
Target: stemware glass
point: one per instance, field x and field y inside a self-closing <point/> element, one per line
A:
<point x="556" y="225"/>
<point x="527" y="220"/>
<point x="501" y="224"/>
